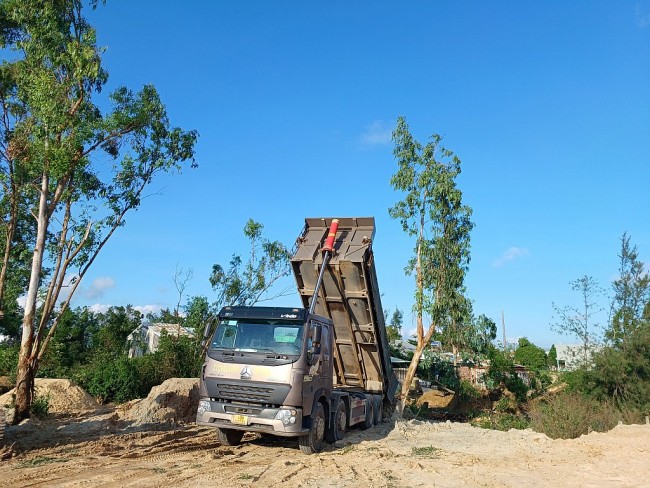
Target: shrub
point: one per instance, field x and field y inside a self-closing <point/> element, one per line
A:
<point x="569" y="415"/>
<point x="502" y="421"/>
<point x="40" y="406"/>
<point x="112" y="380"/>
<point x="8" y="360"/>
<point x="467" y="392"/>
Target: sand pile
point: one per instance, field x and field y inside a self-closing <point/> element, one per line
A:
<point x="436" y="399"/>
<point x="64" y="397"/>
<point x="175" y="400"/>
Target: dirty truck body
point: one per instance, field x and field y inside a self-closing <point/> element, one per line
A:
<point x="309" y="372"/>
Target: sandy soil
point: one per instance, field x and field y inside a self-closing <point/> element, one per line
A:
<point x="110" y="447"/>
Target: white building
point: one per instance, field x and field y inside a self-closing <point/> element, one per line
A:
<point x="145" y="339"/>
<point x="571" y="356"/>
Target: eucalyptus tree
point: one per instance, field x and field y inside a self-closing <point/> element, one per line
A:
<point x="84" y="169"/>
<point x="631" y="301"/>
<point x="247" y="283"/>
<point x="433" y="214"/>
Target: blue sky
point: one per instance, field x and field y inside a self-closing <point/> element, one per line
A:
<point x="546" y="103"/>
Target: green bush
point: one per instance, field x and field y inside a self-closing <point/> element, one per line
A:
<point x="8" y="360"/>
<point x="40" y="406"/>
<point x="467" y="391"/>
<point x="502" y="421"/>
<point x="111" y="379"/>
<point x="569" y="415"/>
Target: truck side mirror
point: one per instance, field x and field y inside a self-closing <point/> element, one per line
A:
<point x="315" y="334"/>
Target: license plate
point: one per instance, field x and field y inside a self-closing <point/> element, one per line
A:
<point x="240" y="419"/>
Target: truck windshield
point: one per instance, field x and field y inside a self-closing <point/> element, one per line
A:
<point x="249" y="335"/>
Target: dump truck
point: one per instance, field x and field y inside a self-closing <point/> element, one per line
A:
<point x="310" y="372"/>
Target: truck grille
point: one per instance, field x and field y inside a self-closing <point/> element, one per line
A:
<point x="244" y="393"/>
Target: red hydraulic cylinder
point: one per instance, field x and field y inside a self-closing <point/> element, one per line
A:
<point x="331" y="235"/>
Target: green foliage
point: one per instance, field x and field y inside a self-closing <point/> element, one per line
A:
<point x="502" y="421"/>
<point x="112" y="379"/>
<point x="483" y="332"/>
<point x="551" y="359"/>
<point x="620" y="375"/>
<point x="394" y="329"/>
<point x="8" y="360"/>
<point x="436" y="368"/>
<point x="247" y="283"/>
<point x="432" y="212"/>
<point x="40" y="406"/>
<point x="568" y="415"/>
<point x="467" y="391"/>
<point x="631" y="300"/>
<point x="113" y="327"/>
<point x="502" y="374"/>
<point x="529" y="355"/>
<point x="177" y="357"/>
<point x="199" y="314"/>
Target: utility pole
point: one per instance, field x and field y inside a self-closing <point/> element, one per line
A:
<point x="503" y="325"/>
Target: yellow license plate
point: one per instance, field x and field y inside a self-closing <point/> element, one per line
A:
<point x="240" y="419"/>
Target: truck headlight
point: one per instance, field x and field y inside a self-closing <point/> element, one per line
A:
<point x="287" y="415"/>
<point x="204" y="406"/>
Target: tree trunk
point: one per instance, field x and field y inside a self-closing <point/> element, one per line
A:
<point x="27" y="357"/>
<point x="410" y="372"/>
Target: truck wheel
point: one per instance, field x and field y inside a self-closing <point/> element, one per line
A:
<point x="2" y="424"/>
<point x="370" y="414"/>
<point x="379" y="410"/>
<point x="339" y="424"/>
<point x="229" y="437"/>
<point x="313" y="442"/>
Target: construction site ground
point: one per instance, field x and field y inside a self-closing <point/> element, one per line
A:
<point x="152" y="442"/>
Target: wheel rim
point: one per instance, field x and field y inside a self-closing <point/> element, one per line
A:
<point x="340" y="420"/>
<point x="319" y="429"/>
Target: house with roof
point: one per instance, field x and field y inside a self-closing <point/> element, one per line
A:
<point x="146" y="338"/>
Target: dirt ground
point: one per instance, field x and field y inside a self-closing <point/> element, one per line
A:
<point x="134" y="446"/>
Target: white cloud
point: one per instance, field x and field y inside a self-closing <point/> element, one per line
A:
<point x="145" y="309"/>
<point x="99" y="308"/>
<point x="99" y="286"/>
<point x="642" y="16"/>
<point x="378" y="133"/>
<point x="510" y="254"/>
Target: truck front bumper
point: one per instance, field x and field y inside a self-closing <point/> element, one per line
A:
<point x="283" y="421"/>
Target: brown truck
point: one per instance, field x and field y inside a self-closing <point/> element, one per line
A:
<point x="310" y="372"/>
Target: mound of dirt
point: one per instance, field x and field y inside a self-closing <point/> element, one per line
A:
<point x="64" y="397"/>
<point x="175" y="400"/>
<point x="436" y="399"/>
<point x="5" y="384"/>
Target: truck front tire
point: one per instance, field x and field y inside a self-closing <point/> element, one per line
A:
<point x="229" y="437"/>
<point x="313" y="442"/>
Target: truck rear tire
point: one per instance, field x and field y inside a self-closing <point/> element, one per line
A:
<point x="379" y="410"/>
<point x="229" y="437"/>
<point x="370" y="414"/>
<point x="313" y="442"/>
<point x="339" y="424"/>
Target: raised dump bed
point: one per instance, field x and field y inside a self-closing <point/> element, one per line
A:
<point x="349" y="295"/>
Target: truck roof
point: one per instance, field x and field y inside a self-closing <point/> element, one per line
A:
<point x="264" y="313"/>
<point x="349" y="296"/>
